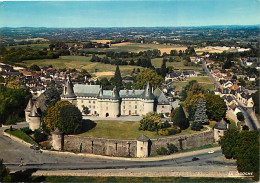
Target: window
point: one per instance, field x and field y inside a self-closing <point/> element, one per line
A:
<point x="163" y="106"/>
<point x="135" y="106"/>
<point x="93" y="102"/>
<point x="89" y="102"/>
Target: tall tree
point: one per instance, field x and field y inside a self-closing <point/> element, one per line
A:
<point x="51" y="96"/>
<point x="216" y="107"/>
<point x="180" y="119"/>
<point x="117" y="79"/>
<point x="145" y="76"/>
<point x="163" y="69"/>
<point x="256" y="101"/>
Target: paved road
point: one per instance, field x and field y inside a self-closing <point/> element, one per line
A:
<point x="250" y="119"/>
<point x="12" y="151"/>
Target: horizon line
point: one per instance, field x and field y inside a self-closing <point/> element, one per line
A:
<point x="134" y="26"/>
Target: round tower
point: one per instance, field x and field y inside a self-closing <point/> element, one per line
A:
<point x="57" y="139"/>
<point x="34" y="119"/>
<point x="28" y="110"/>
<point x="114" y="107"/>
<point x="148" y="99"/>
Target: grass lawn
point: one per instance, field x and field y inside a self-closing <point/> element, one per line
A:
<point x="204" y="81"/>
<point x="20" y="134"/>
<point x="80" y="62"/>
<point x="32" y="46"/>
<point x="124" y="130"/>
<point x="157" y="62"/>
<point x="138" y="179"/>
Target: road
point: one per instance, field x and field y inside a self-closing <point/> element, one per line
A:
<point x="12" y="151"/>
<point x="250" y="119"/>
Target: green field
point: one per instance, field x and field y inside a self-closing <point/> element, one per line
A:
<point x="32" y="46"/>
<point x="157" y="62"/>
<point x="204" y="81"/>
<point x="137" y="47"/>
<point x="21" y="135"/>
<point x="55" y="179"/>
<point x="123" y="130"/>
<point x="80" y="62"/>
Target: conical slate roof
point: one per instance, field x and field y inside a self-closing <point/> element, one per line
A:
<point x="68" y="90"/>
<point x="100" y="94"/>
<point x="143" y="138"/>
<point x="222" y="125"/>
<point x="115" y="93"/>
<point x="148" y="93"/>
<point x="34" y="112"/>
<point x="29" y="106"/>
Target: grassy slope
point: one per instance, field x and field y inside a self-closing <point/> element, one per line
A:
<point x="33" y="46"/>
<point x="157" y="62"/>
<point x="205" y="81"/>
<point x="80" y="62"/>
<point x="21" y="135"/>
<point x="123" y="130"/>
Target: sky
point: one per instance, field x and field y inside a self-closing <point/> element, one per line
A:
<point x="133" y="13"/>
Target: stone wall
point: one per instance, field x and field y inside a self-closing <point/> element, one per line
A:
<point x="114" y="147"/>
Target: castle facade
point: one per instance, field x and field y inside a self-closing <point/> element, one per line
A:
<point x="114" y="103"/>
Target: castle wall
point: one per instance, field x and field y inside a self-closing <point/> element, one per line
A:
<point x="131" y="106"/>
<point x="163" y="109"/>
<point x="114" y="147"/>
<point x="148" y="106"/>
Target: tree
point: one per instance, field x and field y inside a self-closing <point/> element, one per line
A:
<point x="240" y="116"/>
<point x="52" y="117"/>
<point x="150" y="122"/>
<point x="255" y="98"/>
<point x="163" y="69"/>
<point x="244" y="147"/>
<point x="200" y="113"/>
<point x="145" y="76"/>
<point x="196" y="125"/>
<point x="4" y="173"/>
<point x="35" y="67"/>
<point x="117" y="79"/>
<point x="194" y="88"/>
<point x="216" y="107"/>
<point x="51" y="96"/>
<point x="70" y="119"/>
<point x="86" y="110"/>
<point x="12" y="103"/>
<point x="180" y="119"/>
<point x="191" y="103"/>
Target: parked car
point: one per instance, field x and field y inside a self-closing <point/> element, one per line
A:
<point x="32" y="146"/>
<point x="195" y="159"/>
<point x="211" y="152"/>
<point x="38" y="151"/>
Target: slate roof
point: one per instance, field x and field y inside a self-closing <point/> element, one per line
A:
<point x="173" y="75"/>
<point x="148" y="93"/>
<point x="222" y="125"/>
<point x="143" y="138"/>
<point x="160" y="96"/>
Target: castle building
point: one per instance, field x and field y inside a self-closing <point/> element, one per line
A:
<point x="111" y="103"/>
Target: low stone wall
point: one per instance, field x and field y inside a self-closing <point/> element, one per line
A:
<point x="184" y="141"/>
<point x="114" y="147"/>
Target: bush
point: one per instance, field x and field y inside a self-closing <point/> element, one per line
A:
<point x="27" y="130"/>
<point x="196" y="126"/>
<point x="172" y="148"/>
<point x="166" y="124"/>
<point x="39" y="136"/>
<point x="12" y="119"/>
<point x="170" y="131"/>
<point x="162" y="151"/>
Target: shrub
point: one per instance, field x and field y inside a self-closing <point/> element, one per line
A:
<point x="39" y="136"/>
<point x="169" y="131"/>
<point x="166" y="124"/>
<point x="172" y="148"/>
<point x="162" y="151"/>
<point x="27" y="130"/>
<point x="196" y="126"/>
<point x="12" y="119"/>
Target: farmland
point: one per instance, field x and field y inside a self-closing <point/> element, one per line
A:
<point x="81" y="62"/>
<point x="204" y="81"/>
<point x="137" y="47"/>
